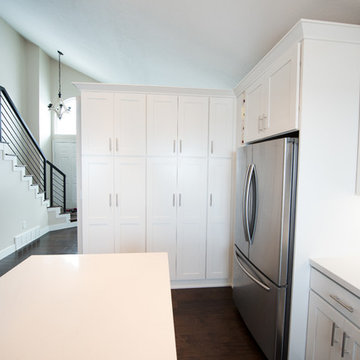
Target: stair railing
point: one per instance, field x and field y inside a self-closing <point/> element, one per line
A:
<point x="15" y="132"/>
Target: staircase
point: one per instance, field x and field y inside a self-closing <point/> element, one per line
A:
<point x="41" y="178"/>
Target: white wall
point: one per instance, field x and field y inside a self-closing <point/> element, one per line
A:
<point x="13" y="64"/>
<point x="328" y="211"/>
<point x="20" y="210"/>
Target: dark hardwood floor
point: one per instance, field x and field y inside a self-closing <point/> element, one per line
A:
<point x="207" y="324"/>
<point x="54" y="242"/>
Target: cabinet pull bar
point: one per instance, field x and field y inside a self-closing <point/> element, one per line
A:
<point x="211" y="200"/>
<point x="117" y="200"/>
<point x="110" y="200"/>
<point x="110" y="146"/>
<point x="332" y="342"/>
<point x="343" y="352"/>
<point x="340" y="302"/>
<point x="179" y="199"/>
<point x="117" y="144"/>
<point x="174" y="146"/>
<point x="180" y="146"/>
<point x="212" y="146"/>
<point x="173" y="200"/>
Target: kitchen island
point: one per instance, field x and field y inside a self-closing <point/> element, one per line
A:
<point x="109" y="306"/>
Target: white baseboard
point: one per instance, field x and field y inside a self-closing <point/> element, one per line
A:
<point x="188" y="284"/>
<point x="62" y="226"/>
<point x="31" y="235"/>
<point x="7" y="251"/>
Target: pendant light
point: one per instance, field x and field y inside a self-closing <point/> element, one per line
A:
<point x="59" y="108"/>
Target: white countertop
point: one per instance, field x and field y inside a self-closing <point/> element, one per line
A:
<point x="343" y="270"/>
<point x="91" y="307"/>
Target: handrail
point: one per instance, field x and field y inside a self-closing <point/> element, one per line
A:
<point x="22" y="122"/>
<point x="22" y="143"/>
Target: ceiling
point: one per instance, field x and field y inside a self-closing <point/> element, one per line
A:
<point x="190" y="43"/>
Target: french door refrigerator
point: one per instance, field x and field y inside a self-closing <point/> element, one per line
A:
<point x="264" y="232"/>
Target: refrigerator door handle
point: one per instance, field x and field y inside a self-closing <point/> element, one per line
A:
<point x="249" y="275"/>
<point x="246" y="225"/>
<point x="254" y="201"/>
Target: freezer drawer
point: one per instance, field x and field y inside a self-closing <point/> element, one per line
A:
<point x="261" y="305"/>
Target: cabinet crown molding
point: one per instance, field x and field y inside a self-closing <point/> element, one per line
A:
<point x="304" y="29"/>
<point x="147" y="89"/>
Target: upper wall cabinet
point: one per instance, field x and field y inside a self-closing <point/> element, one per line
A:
<point x="272" y="100"/>
<point x="221" y="127"/>
<point x="193" y="125"/>
<point x="115" y="124"/>
<point x="177" y="125"/>
<point x="97" y="128"/>
<point x="130" y="124"/>
<point x="162" y="113"/>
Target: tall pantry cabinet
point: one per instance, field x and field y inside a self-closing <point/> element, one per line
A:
<point x="156" y="175"/>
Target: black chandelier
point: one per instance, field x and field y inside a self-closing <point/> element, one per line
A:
<point x="60" y="108"/>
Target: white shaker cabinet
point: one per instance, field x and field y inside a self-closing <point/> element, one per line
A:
<point x="98" y="205"/>
<point x="333" y="319"/>
<point x="221" y="127"/>
<point x="129" y="198"/>
<point x="145" y="154"/>
<point x="271" y="101"/>
<point x="193" y="126"/>
<point x="219" y="219"/>
<point x="97" y="126"/>
<point x="162" y="208"/>
<point x="130" y="124"/>
<point x="191" y="223"/>
<point x="176" y="214"/>
<point x="162" y="117"/>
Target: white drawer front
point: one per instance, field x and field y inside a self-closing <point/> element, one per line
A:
<point x="341" y="299"/>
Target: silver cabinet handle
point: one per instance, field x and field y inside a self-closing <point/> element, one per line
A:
<point x="260" y="119"/>
<point x="110" y="200"/>
<point x="340" y="302"/>
<point x="211" y="199"/>
<point x="264" y="117"/>
<point x="173" y="200"/>
<point x="212" y="146"/>
<point x="110" y="145"/>
<point x="117" y="145"/>
<point x="117" y="200"/>
<point x="343" y="352"/>
<point x="174" y="146"/>
<point x="249" y="275"/>
<point x="333" y="341"/>
<point x="180" y="146"/>
<point x="179" y="199"/>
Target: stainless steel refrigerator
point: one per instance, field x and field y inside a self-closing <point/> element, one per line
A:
<point x="264" y="232"/>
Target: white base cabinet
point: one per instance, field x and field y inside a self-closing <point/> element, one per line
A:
<point x="219" y="219"/>
<point x="114" y="204"/>
<point x="333" y="321"/>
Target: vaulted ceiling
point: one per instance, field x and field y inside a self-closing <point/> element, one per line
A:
<point x="192" y="43"/>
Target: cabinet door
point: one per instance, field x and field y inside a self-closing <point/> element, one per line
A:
<point x="221" y="127"/>
<point x="193" y="125"/>
<point x="162" y="114"/>
<point x="254" y="110"/>
<point x="161" y="208"/>
<point x="191" y="235"/>
<point x="97" y="120"/>
<point x="130" y="124"/>
<point x="98" y="205"/>
<point x="130" y="177"/>
<point x="324" y="336"/>
<point x="218" y="225"/>
<point x="281" y="113"/>
<point x="350" y="346"/>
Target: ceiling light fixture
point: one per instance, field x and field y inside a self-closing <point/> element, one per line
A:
<point x="60" y="108"/>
